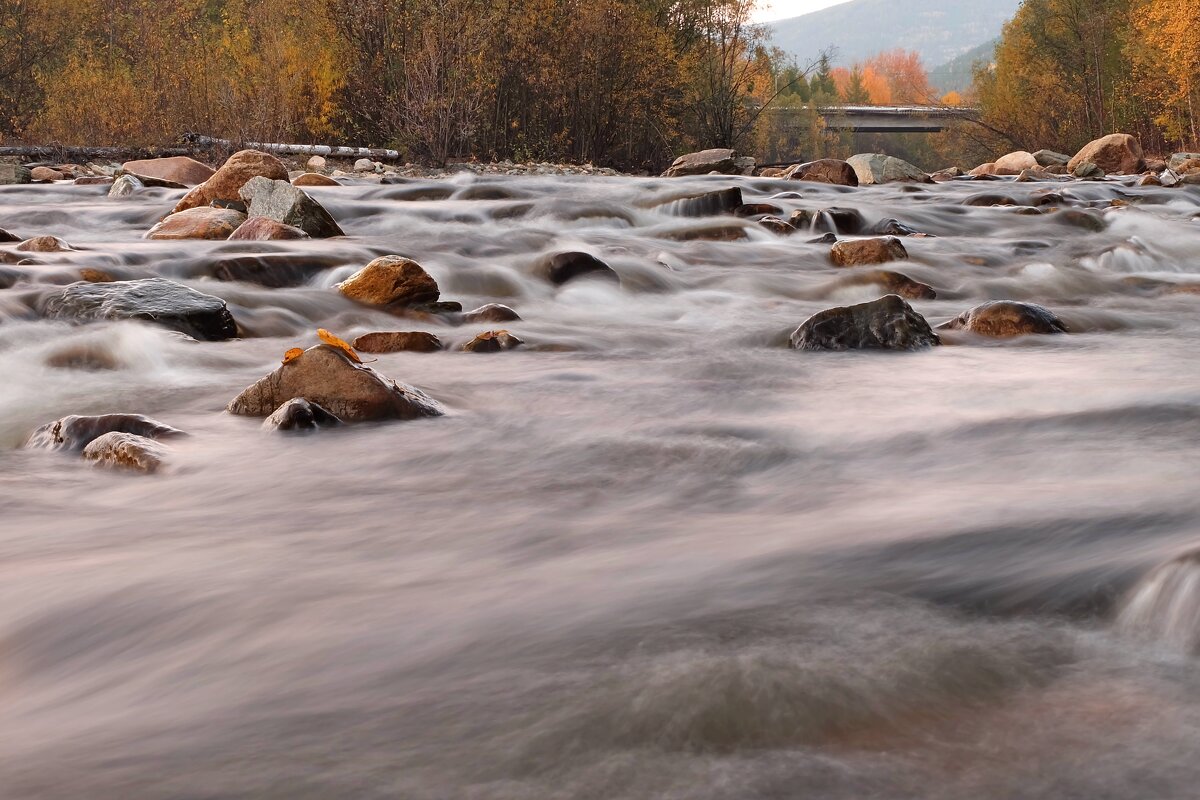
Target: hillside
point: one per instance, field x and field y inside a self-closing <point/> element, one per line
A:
<point x="956" y="75"/>
<point x="939" y="30"/>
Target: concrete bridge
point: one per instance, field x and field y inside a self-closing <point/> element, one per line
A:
<point x="892" y="119"/>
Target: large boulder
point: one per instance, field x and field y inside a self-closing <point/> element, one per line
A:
<point x="888" y="323"/>
<point x="873" y="168"/>
<point x="562" y="267"/>
<point x="1117" y="153"/>
<point x="282" y="202"/>
<point x="391" y="280"/>
<point x="77" y="432"/>
<point x="14" y="173"/>
<point x="126" y="451"/>
<point x="177" y="169"/>
<point x="398" y="341"/>
<point x="1014" y="163"/>
<point x="823" y="170"/>
<point x="156" y="300"/>
<point x="1004" y="318"/>
<point x="708" y="204"/>
<point x="227" y="182"/>
<point x="860" y="252"/>
<point x="1177" y="159"/>
<point x="206" y="222"/>
<point x="328" y="377"/>
<point x="265" y="229"/>
<point x="718" y="159"/>
<point x="298" y="414"/>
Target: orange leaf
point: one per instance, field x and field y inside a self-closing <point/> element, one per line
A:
<point x="292" y="355"/>
<point x="333" y="341"/>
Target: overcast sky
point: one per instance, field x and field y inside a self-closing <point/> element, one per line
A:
<point x="781" y="9"/>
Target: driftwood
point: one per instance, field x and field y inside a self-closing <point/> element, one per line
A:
<point x="374" y="153"/>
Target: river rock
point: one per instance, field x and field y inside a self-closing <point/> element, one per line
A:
<point x="176" y="169"/>
<point x="326" y="376"/>
<point x="125" y="186"/>
<point x="756" y="210"/>
<point x="7" y="237"/>
<point x="126" y="451"/>
<point x="44" y="244"/>
<point x="1014" y="163"/>
<point x="492" y="312"/>
<point x="873" y="168"/>
<point x="888" y="323"/>
<point x="46" y="174"/>
<point x="892" y="283"/>
<point x="316" y="163"/>
<point x="1087" y="169"/>
<point x="272" y="270"/>
<point x="264" y="229"/>
<point x="77" y="432"/>
<point x="1004" y="318"/>
<point x="391" y="280"/>
<point x="846" y="221"/>
<point x="867" y="251"/>
<point x="824" y="170"/>
<point x="562" y="267"/>
<point x="398" y="341"/>
<point x="14" y="173"/>
<point x="722" y="201"/>
<point x="776" y="226"/>
<point x="1049" y="158"/>
<point x="205" y="222"/>
<point x="1189" y="167"/>
<point x="364" y="165"/>
<point x="1174" y="162"/>
<point x="492" y="342"/>
<point x="313" y="179"/>
<point x="298" y="414"/>
<point x="156" y="300"/>
<point x="894" y="227"/>
<point x="983" y="170"/>
<point x="717" y="159"/>
<point x="1117" y="153"/>
<point x="226" y="183"/>
<point x="282" y="202"/>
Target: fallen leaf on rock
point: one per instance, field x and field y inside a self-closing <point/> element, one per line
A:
<point x="333" y="341"/>
<point x="292" y="355"/>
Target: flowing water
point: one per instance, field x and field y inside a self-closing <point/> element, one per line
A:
<point x="653" y="554"/>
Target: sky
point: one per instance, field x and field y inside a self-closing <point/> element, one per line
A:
<point x="782" y="9"/>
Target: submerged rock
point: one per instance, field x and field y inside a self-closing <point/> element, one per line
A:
<point x="493" y="342"/>
<point x="273" y="270"/>
<point x="198" y="223"/>
<point x="867" y="251"/>
<point x="398" y="341"/>
<point x="1004" y="318"/>
<point x="226" y="183"/>
<point x="888" y="323"/>
<point x="298" y="414"/>
<point x="824" y="170"/>
<point x="873" y="168"/>
<point x="492" y="312"/>
<point x="776" y="225"/>
<point x="264" y="229"/>
<point x="9" y="236"/>
<point x="156" y="300"/>
<point x="892" y="282"/>
<point x="126" y="451"/>
<point x="717" y="159"/>
<point x="125" y="186"/>
<point x="176" y="169"/>
<point x="709" y="204"/>
<point x="77" y="432"/>
<point x="1117" y="153"/>
<point x="391" y="280"/>
<point x="44" y="244"/>
<point x="846" y="221"/>
<point x="562" y="267"/>
<point x="326" y="376"/>
<point x="283" y="202"/>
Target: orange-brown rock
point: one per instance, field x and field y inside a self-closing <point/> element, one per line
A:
<point x="1189" y="167"/>
<point x="391" y="280"/>
<point x="265" y="229"/>
<point x="824" y="170"/>
<point x="492" y="342"/>
<point x="126" y="451"/>
<point x="46" y="174"/>
<point x="492" y="312"/>
<point x="1015" y="163"/>
<point x="205" y="222"/>
<point x="92" y="275"/>
<point x="226" y="183"/>
<point x="177" y="169"/>
<point x="44" y="244"/>
<point x="398" y="341"/>
<point x="1117" y="153"/>
<point x="1005" y="318"/>
<point x="867" y="251"/>
<point x="893" y="282"/>
<point x="983" y="169"/>
<point x="314" y="179"/>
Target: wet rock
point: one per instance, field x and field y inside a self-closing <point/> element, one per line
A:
<point x="46" y="174"/>
<point x="1149" y="180"/>
<point x="771" y="172"/>
<point x="126" y="451"/>
<point x="492" y="342"/>
<point x="707" y="233"/>
<point x="893" y="227"/>
<point x="326" y="376"/>
<point x="313" y="179"/>
<point x="562" y="267"/>
<point x="1049" y="158"/>
<point x="1117" y="153"/>
<point x="391" y="280"/>
<point x="776" y="225"/>
<point x="9" y="236"/>
<point x="873" y="168"/>
<point x="828" y="238"/>
<point x="264" y="229"/>
<point x="125" y="186"/>
<point x="845" y="221"/>
<point x="227" y="182"/>
<point x="756" y="209"/>
<point x="1175" y="161"/>
<point x="703" y="162"/>
<point x="94" y="180"/>
<point x="892" y="283"/>
<point x="723" y="201"/>
<point x="156" y="300"/>
<point x="272" y="270"/>
<point x="947" y="174"/>
<point x="44" y="244"/>
<point x="77" y="432"/>
<point x="1087" y="169"/>
<point x="1015" y="163"/>
<point x="10" y="277"/>
<point x="299" y="414"/>
<point x="1088" y="220"/>
<point x="824" y="170"/>
<point x="14" y="173"/>
<point x="989" y="199"/>
<point x="1004" y="318"/>
<point x="283" y="202"/>
<point x="179" y="170"/>
<point x="92" y="275"/>
<point x="1031" y="175"/>
<point x="492" y="312"/>
<point x="867" y="251"/>
<point x="888" y="323"/>
<point x="206" y="222"/>
<point x="398" y="341"/>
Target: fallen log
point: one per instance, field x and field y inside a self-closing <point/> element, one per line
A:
<point x="373" y="153"/>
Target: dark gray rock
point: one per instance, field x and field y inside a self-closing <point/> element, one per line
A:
<point x="283" y="202"/>
<point x="156" y="300"/>
<point x="298" y="414"/>
<point x="874" y="168"/>
<point x="709" y="204"/>
<point x="562" y="267"/>
<point x="888" y="323"/>
<point x="76" y="432"/>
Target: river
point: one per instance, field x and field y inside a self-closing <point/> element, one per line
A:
<point x="655" y="552"/>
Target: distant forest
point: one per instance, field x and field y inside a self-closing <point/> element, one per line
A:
<point x="625" y="83"/>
